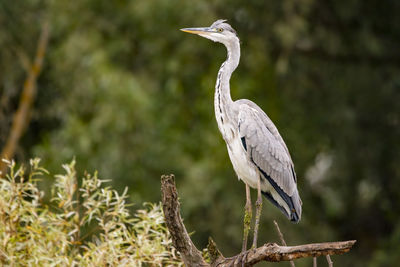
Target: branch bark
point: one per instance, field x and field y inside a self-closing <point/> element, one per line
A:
<point x="275" y="253"/>
<point x="21" y="116"/>
<point x="180" y="237"/>
<point x="268" y="252"/>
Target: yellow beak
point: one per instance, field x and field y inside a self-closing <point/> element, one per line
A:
<point x="204" y="30"/>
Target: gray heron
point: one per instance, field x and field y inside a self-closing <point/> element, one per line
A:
<point x="257" y="151"/>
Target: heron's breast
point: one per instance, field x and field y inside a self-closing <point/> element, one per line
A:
<point x="243" y="167"/>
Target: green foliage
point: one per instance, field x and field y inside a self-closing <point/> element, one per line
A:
<point x="86" y="225"/>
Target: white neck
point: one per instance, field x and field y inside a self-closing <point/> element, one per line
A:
<point x="224" y="107"/>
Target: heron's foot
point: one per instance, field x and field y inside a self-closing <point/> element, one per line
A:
<point x="257" y="222"/>
<point x="246" y="225"/>
<point x="240" y="260"/>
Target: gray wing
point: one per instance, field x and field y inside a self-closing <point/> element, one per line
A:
<point x="266" y="147"/>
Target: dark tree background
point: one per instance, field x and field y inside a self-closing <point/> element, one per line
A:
<point x="126" y="93"/>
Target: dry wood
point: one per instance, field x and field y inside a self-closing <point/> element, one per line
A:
<point x="22" y="115"/>
<point x="282" y="240"/>
<point x="328" y="259"/>
<point x="268" y="252"/>
<point x="273" y="252"/>
<point x="180" y="237"/>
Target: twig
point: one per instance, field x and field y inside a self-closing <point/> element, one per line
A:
<point x="21" y="116"/>
<point x="268" y="252"/>
<point x="328" y="259"/>
<point x="282" y="239"/>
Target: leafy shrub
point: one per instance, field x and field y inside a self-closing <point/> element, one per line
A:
<point x="87" y="225"/>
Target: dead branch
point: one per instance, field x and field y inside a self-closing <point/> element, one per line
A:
<point x="180" y="237"/>
<point x="21" y="116"/>
<point x="273" y="252"/>
<point x="282" y="240"/>
<point x="268" y="252"/>
<point x="328" y="259"/>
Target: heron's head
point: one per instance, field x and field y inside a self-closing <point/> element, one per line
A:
<point x="219" y="31"/>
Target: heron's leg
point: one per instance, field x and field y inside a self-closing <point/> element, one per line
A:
<point x="247" y="218"/>
<point x="258" y="212"/>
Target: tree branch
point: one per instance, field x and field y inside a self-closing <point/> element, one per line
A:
<point x="328" y="259"/>
<point x="180" y="237"/>
<point x="21" y="116"/>
<point x="274" y="253"/>
<point x="268" y="252"/>
<point x="282" y="240"/>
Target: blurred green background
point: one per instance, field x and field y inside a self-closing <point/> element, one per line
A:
<point x="126" y="93"/>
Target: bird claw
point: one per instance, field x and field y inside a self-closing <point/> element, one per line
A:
<point x="241" y="259"/>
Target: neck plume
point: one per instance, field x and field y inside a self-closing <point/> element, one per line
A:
<point x="222" y="101"/>
<point x="222" y="88"/>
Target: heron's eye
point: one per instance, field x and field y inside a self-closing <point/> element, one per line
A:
<point x="220" y="30"/>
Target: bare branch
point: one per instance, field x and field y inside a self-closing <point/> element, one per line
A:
<point x="330" y="262"/>
<point x="21" y="116"/>
<point x="273" y="252"/>
<point x="282" y="240"/>
<point x="268" y="252"/>
<point x="180" y="237"/>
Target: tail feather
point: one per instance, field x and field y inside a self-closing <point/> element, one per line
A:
<point x="294" y="202"/>
<point x="295" y="215"/>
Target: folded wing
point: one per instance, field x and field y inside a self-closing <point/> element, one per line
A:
<point x="269" y="153"/>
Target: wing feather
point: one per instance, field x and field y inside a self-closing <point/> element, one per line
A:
<point x="268" y="151"/>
